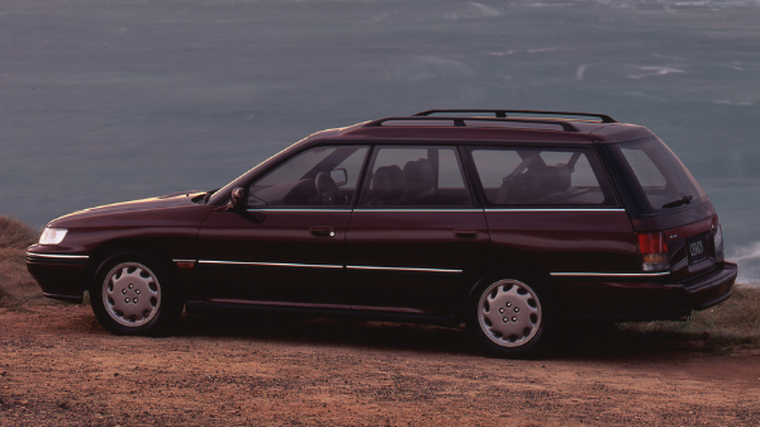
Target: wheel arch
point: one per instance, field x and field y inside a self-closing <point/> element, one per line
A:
<point x="145" y="248"/>
<point x="519" y="266"/>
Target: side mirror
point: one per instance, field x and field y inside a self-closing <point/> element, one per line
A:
<point x="237" y="197"/>
<point x="339" y="176"/>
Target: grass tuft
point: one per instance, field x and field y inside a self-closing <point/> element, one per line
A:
<point x="16" y="234"/>
<point x="17" y="287"/>
<point x="733" y="323"/>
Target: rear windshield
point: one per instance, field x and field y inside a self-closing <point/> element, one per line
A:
<point x="659" y="181"/>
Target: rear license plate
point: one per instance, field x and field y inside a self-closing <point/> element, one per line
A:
<point x="696" y="247"/>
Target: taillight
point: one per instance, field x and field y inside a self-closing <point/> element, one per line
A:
<point x="718" y="241"/>
<point x="654" y="251"/>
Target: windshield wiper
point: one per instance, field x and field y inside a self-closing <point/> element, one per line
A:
<point x="676" y="203"/>
<point x="208" y="194"/>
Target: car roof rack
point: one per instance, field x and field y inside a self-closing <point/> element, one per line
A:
<point x="462" y="121"/>
<point x="522" y="114"/>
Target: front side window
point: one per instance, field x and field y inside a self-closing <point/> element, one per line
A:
<point x="541" y="177"/>
<point x="322" y="176"/>
<point x="415" y="177"/>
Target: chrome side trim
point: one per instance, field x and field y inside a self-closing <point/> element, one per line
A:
<point x="495" y="210"/>
<point x="417" y="210"/>
<point x="285" y="210"/>
<point x="268" y="264"/>
<point x="436" y="210"/>
<point x="587" y="274"/>
<point x="56" y="256"/>
<point x="326" y="266"/>
<point x="407" y="269"/>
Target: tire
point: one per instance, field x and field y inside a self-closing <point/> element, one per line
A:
<point x="507" y="315"/>
<point x="131" y="295"/>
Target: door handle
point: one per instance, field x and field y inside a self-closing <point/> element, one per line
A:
<point x="322" y="230"/>
<point x="466" y="233"/>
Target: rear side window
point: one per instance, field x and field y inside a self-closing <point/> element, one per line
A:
<point x="656" y="175"/>
<point x="541" y="177"/>
<point x="415" y="177"/>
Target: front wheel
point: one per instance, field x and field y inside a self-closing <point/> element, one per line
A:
<point x="130" y="296"/>
<point x="507" y="316"/>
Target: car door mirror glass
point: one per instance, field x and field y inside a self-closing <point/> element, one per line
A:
<point x="339" y="176"/>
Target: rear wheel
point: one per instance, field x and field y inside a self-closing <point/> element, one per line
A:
<point x="507" y="315"/>
<point x="133" y="296"/>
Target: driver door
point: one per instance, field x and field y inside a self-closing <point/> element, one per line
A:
<point x="285" y="248"/>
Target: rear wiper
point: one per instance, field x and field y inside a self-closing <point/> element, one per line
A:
<point x="676" y="203"/>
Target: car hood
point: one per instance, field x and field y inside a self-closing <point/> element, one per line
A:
<point x="153" y="204"/>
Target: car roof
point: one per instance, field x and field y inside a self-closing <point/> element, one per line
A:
<point x="486" y="126"/>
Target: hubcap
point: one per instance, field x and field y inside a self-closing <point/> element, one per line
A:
<point x="131" y="294"/>
<point x="509" y="313"/>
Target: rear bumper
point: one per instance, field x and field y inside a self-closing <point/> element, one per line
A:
<point x="62" y="277"/>
<point x="713" y="288"/>
<point x="632" y="300"/>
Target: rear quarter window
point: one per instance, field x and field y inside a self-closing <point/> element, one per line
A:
<point x="541" y="177"/>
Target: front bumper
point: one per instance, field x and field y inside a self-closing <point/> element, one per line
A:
<point x="60" y="276"/>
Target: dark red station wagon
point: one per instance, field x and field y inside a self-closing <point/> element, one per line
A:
<point x="508" y="221"/>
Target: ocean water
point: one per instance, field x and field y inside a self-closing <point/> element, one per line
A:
<point x="110" y="100"/>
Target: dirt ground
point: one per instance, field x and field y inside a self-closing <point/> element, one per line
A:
<point x="58" y="367"/>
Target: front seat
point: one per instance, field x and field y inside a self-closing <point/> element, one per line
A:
<point x="388" y="186"/>
<point x="420" y="181"/>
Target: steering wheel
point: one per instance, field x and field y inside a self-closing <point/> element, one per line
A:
<point x="327" y="191"/>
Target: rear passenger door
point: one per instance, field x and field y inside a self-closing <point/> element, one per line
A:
<point x="414" y="232"/>
<point x="552" y="209"/>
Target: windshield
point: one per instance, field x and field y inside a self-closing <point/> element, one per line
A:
<point x="659" y="180"/>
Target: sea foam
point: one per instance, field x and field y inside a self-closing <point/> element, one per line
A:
<point x="748" y="258"/>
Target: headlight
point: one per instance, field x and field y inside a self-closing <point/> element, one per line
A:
<point x="53" y="236"/>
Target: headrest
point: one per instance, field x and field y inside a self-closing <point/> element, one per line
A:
<point x="419" y="176"/>
<point x="388" y="182"/>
